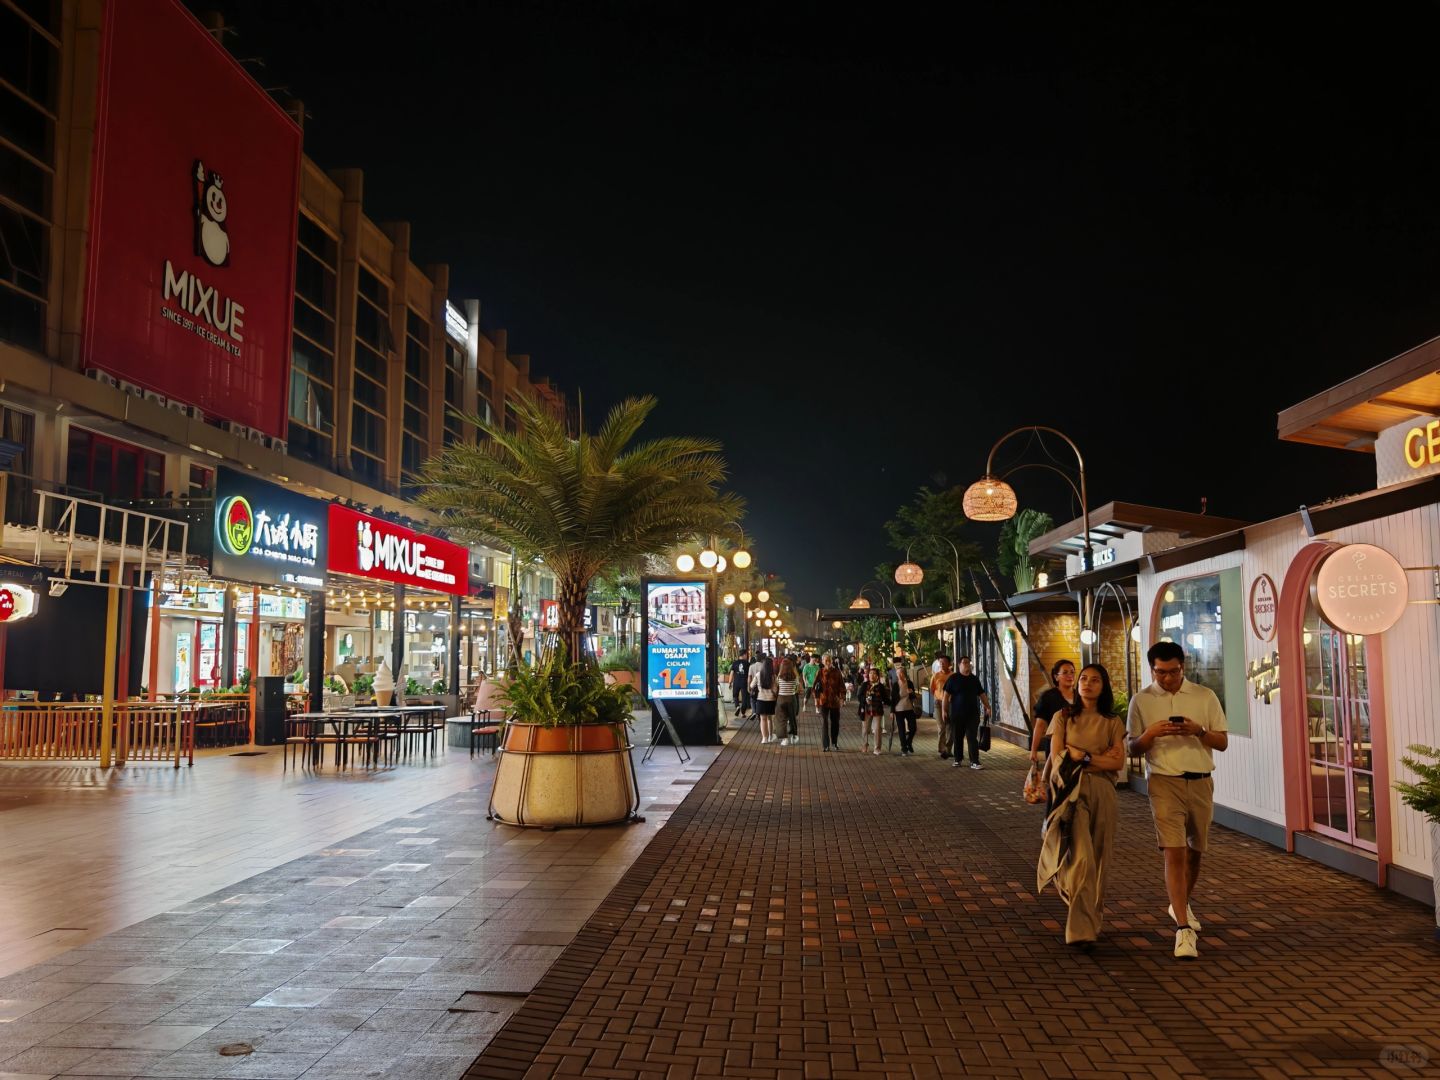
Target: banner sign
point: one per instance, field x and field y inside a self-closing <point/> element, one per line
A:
<point x="677" y="639"/>
<point x="266" y="534"/>
<point x="193" y="219"/>
<point x="375" y="548"/>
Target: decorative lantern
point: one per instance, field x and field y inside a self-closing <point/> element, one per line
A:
<point x="990" y="499"/>
<point x="909" y="574"/>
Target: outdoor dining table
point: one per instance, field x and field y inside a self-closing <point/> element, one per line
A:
<point x="344" y="724"/>
<point x="404" y="713"/>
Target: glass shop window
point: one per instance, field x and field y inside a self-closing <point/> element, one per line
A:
<point x="1205" y="616"/>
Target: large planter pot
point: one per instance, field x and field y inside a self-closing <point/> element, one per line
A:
<point x="1435" y="871"/>
<point x="559" y="777"/>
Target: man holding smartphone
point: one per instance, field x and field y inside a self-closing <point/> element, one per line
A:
<point x="1177" y="725"/>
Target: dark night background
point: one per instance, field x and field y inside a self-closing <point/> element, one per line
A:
<point x="857" y="244"/>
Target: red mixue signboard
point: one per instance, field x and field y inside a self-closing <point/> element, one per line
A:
<point x="193" y="218"/>
<point x="374" y="548"/>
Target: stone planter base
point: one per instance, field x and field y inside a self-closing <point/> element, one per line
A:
<point x="565" y="777"/>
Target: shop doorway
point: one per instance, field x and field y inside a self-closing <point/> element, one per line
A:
<point x="1338" y="721"/>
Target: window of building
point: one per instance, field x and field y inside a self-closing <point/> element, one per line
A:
<point x="512" y="419"/>
<point x="486" y="394"/>
<point x="312" y="370"/>
<point x="455" y="429"/>
<point x="415" y="434"/>
<point x="117" y="471"/>
<point x="29" y="65"/>
<point x="372" y="347"/>
<point x="17" y="429"/>
<point x="1205" y="616"/>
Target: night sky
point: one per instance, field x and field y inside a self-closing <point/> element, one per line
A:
<point x="857" y="245"/>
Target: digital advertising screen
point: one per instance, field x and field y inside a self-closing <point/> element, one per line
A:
<point x="677" y="638"/>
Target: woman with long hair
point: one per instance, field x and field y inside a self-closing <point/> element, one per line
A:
<point x="1087" y="750"/>
<point x="907" y="705"/>
<point x="762" y="693"/>
<point x="787" y="701"/>
<point x="1060" y="694"/>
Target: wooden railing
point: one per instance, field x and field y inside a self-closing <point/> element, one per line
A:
<point x="66" y="731"/>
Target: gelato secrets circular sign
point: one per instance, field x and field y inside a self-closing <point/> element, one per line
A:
<point x="1262" y="607"/>
<point x="1361" y="589"/>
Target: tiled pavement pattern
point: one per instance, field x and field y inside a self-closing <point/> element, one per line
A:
<point x="396" y="952"/>
<point x="834" y="915"/>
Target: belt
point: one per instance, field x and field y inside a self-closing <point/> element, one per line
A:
<point x="1194" y="776"/>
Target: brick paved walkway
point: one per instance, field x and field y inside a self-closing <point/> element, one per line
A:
<point x="829" y="915"/>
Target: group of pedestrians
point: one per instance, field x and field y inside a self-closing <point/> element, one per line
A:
<point x="777" y="691"/>
<point x="1176" y="725"/>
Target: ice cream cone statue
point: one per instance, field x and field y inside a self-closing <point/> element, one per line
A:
<point x="384" y="685"/>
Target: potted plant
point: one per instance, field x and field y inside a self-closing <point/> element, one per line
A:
<point x="622" y="666"/>
<point x="566" y="756"/>
<point x="1424" y="796"/>
<point x="582" y="504"/>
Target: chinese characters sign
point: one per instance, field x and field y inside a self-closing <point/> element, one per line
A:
<point x="265" y="534"/>
<point x="677" y="639"/>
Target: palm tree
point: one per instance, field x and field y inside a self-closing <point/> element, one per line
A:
<point x="580" y="504"/>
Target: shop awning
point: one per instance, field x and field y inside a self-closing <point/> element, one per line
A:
<point x="1115" y="519"/>
<point x="1351" y="415"/>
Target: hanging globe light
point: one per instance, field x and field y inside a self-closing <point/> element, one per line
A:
<point x="745" y="597"/>
<point x="762" y="596"/>
<point x="990" y="499"/>
<point x="859" y="602"/>
<point x="721" y="564"/>
<point x="707" y="558"/>
<point x="741" y="559"/>
<point x="729" y="599"/>
<point x="685" y="563"/>
<point x="837" y="625"/>
<point x="909" y="574"/>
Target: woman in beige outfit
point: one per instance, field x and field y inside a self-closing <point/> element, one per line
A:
<point x="1087" y="748"/>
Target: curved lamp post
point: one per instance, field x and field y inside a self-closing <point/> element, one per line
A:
<point x="909" y="573"/>
<point x="992" y="499"/>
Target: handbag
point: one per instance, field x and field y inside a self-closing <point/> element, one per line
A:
<point x="982" y="738"/>
<point x="1034" y="789"/>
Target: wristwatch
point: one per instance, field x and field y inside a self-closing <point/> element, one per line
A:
<point x="1086" y="759"/>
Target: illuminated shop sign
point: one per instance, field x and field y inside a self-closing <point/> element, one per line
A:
<point x="266" y="534"/>
<point x="456" y="325"/>
<point x="1361" y="589"/>
<point x="17" y="602"/>
<point x="375" y="548"/>
<point x="1422" y="445"/>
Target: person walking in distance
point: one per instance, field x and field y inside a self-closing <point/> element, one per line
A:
<point x="787" y="702"/>
<point x="964" y="697"/>
<point x="809" y="673"/>
<point x="762" y="692"/>
<point x="1178" y="725"/>
<point x="1087" y="745"/>
<point x="906" y="705"/>
<point x="874" y="698"/>
<point x="937" y="696"/>
<point x="739" y="685"/>
<point x="830" y="694"/>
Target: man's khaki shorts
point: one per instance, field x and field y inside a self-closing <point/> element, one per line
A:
<point x="1183" y="810"/>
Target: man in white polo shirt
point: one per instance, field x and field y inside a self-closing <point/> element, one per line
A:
<point x="1177" y="725"/>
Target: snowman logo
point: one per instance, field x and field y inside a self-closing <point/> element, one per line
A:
<point x="366" y="553"/>
<point x="212" y="242"/>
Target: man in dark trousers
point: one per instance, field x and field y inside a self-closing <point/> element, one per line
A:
<point x="964" y="697"/>
<point x="739" y="685"/>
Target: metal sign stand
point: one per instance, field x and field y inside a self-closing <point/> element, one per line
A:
<point x="680" y="750"/>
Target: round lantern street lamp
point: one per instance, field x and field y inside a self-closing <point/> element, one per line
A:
<point x="729" y="599"/>
<point x="992" y="499"/>
<point x="708" y="558"/>
<point x="909" y="573"/>
<point x="685" y="563"/>
<point x="745" y="596"/>
<point x="762" y="596"/>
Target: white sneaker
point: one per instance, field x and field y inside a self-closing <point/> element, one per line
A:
<point x="1190" y="918"/>
<point x="877" y="751"/>
<point x="976" y="765"/>
<point x="1185" y="944"/>
<point x="784" y="742"/>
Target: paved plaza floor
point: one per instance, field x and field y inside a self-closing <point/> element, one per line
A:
<point x="801" y="914"/>
<point x="810" y="914"/>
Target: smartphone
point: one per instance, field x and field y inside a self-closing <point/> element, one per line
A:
<point x="1177" y="719"/>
